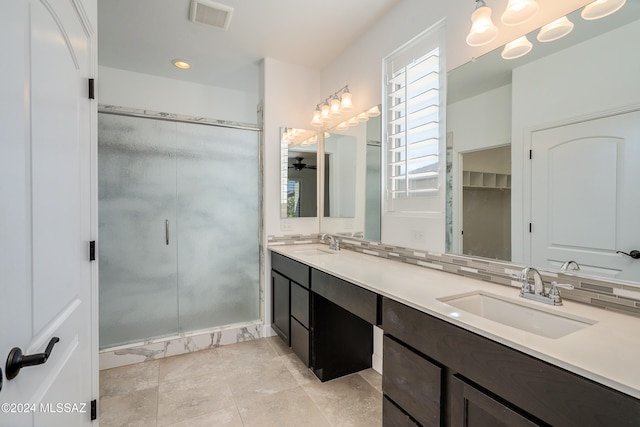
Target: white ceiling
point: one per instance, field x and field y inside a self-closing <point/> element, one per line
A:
<point x="145" y="35"/>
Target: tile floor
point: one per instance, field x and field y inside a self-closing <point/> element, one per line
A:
<point x="253" y="383"/>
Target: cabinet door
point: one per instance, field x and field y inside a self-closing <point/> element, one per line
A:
<point x="471" y="407"/>
<point x="280" y="305"/>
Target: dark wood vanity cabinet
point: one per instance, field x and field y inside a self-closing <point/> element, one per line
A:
<point x="326" y="320"/>
<point x="475" y="381"/>
<point x="290" y="303"/>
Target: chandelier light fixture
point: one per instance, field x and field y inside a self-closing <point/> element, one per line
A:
<point x="519" y="11"/>
<point x="601" y="8"/>
<point x="332" y="107"/>
<point x="483" y="30"/>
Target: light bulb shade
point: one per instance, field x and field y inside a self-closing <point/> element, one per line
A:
<point x="325" y="112"/>
<point x="317" y="120"/>
<point x="519" y="11"/>
<point x="353" y="121"/>
<point x="517" y="48"/>
<point x="362" y="117"/>
<point x="335" y="107"/>
<point x="555" y="30"/>
<point x="601" y="8"/>
<point x="345" y="102"/>
<point x="373" y="112"/>
<point x="482" y="29"/>
<point x="342" y="126"/>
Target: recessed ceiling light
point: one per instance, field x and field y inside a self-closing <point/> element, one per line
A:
<point x="181" y="63"/>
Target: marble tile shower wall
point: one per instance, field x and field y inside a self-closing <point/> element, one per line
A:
<point x="608" y="295"/>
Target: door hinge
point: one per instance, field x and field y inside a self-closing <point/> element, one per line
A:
<point x="530" y="154"/>
<point x="94" y="410"/>
<point x="92" y="250"/>
<point x="92" y="89"/>
<point x="530" y="227"/>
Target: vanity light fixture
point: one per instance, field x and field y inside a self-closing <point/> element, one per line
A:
<point x="519" y="11"/>
<point x="555" y="30"/>
<point x="345" y="100"/>
<point x="317" y="119"/>
<point x="517" y="48"/>
<point x="181" y="63"/>
<point x="483" y="30"/>
<point x="373" y="112"/>
<point x="601" y="8"/>
<point x="325" y="112"/>
<point x="332" y="107"/>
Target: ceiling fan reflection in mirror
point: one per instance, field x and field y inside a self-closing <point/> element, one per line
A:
<point x="298" y="165"/>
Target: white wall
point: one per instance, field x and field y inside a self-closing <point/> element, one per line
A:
<point x="135" y="90"/>
<point x="569" y="93"/>
<point x="475" y="123"/>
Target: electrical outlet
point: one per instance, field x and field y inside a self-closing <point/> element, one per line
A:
<point x="348" y="224"/>
<point x="417" y="236"/>
<point x="285" y="225"/>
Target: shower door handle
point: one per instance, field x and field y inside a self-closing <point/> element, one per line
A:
<point x="166" y="231"/>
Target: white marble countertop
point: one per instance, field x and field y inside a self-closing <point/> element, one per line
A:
<point x="606" y="352"/>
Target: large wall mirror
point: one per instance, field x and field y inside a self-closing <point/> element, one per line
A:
<point x="574" y="103"/>
<point x="299" y="173"/>
<point x="352" y="156"/>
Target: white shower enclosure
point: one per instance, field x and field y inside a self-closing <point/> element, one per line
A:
<point x="178" y="227"/>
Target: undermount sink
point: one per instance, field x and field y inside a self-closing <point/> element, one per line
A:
<point x="313" y="251"/>
<point x="512" y="313"/>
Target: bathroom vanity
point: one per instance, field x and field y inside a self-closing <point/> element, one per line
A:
<point x="443" y="365"/>
<point x="326" y="320"/>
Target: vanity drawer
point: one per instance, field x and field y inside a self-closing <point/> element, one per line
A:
<point x="392" y="416"/>
<point x="300" y="341"/>
<point x="294" y="270"/>
<point x="361" y="302"/>
<point x="300" y="304"/>
<point x="412" y="381"/>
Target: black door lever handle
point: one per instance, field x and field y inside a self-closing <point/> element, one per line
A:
<point x="635" y="254"/>
<point x="16" y="360"/>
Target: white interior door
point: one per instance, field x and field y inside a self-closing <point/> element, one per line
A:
<point x="585" y="195"/>
<point x="46" y="179"/>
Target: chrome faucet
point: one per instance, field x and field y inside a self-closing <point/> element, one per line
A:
<point x="536" y="291"/>
<point x="334" y="244"/>
<point x="570" y="266"/>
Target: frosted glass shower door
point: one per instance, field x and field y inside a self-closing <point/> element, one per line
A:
<point x="137" y="195"/>
<point x="218" y="219"/>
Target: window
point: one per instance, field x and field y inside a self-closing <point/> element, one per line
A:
<point x="414" y="79"/>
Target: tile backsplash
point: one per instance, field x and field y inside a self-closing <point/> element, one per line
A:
<point x="610" y="295"/>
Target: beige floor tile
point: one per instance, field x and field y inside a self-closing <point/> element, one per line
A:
<point x="228" y="417"/>
<point x="125" y="379"/>
<point x="373" y="378"/>
<point x="261" y="378"/>
<point x="134" y="409"/>
<point x="289" y="408"/>
<point x="246" y="353"/>
<point x="300" y="372"/>
<point x="189" y="365"/>
<point x="279" y="345"/>
<point x="347" y="401"/>
<point x="191" y="397"/>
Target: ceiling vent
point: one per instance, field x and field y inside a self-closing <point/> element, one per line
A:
<point x="210" y="13"/>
